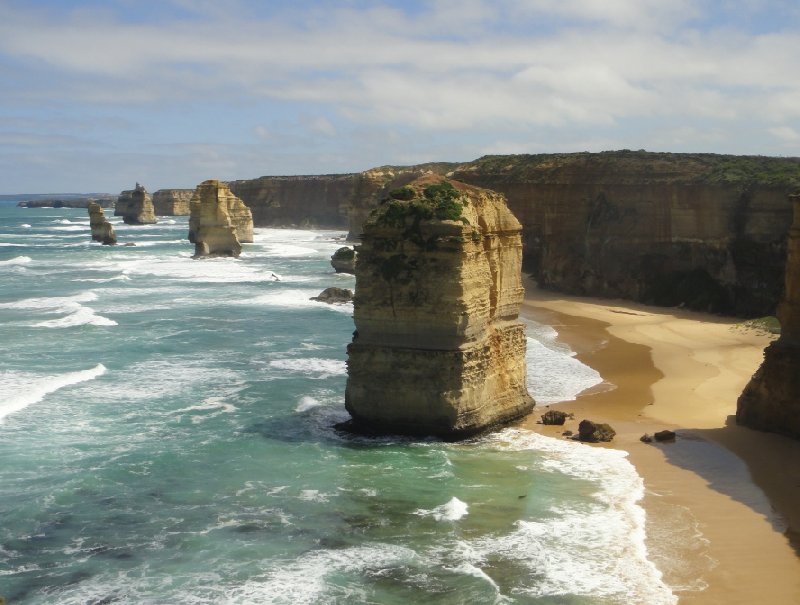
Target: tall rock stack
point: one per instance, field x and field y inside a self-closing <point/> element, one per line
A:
<point x="172" y="202"/>
<point x="438" y="348"/>
<point x="135" y="206"/>
<point x="219" y="222"/>
<point x="102" y="231"/>
<point x="771" y="401"/>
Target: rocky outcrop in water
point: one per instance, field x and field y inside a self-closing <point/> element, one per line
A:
<point x="135" y="206"/>
<point x="219" y="222"/>
<point x="102" y="231"/>
<point x="771" y="400"/>
<point x="172" y="202"/>
<point x="334" y="295"/>
<point x="344" y="260"/>
<point x="438" y="348"/>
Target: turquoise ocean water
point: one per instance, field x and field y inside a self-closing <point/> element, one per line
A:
<point x="166" y="437"/>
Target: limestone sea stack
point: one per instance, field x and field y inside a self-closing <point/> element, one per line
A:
<point x="344" y="260"/>
<point x="438" y="347"/>
<point x="771" y="400"/>
<point x="102" y="231"/>
<point x="135" y="206"/>
<point x="219" y="222"/>
<point x="172" y="202"/>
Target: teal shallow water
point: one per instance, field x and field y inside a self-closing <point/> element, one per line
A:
<point x="167" y="437"/>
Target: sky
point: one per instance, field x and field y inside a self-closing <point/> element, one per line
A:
<point x="98" y="95"/>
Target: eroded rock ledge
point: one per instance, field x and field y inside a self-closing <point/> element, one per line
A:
<point x="219" y="222"/>
<point x="771" y="400"/>
<point x="172" y="202"/>
<point x="438" y="348"/>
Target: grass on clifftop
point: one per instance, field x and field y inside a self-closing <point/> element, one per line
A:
<point x="644" y="166"/>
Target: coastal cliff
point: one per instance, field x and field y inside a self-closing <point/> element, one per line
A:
<point x="219" y="222"/>
<point x="297" y="201"/>
<point x="102" y="231"/>
<point x="771" y="400"/>
<point x="703" y="231"/>
<point x="438" y="348"/>
<point x="135" y="206"/>
<point x="172" y="202"/>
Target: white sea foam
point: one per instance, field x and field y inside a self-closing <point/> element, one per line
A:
<point x="17" y="260"/>
<point x="214" y="405"/>
<point x="10" y="245"/>
<point x="303" y="581"/>
<point x="53" y="304"/>
<point x="597" y="549"/>
<point x="313" y="367"/>
<point x="306" y="403"/>
<point x="295" y="298"/>
<point x="25" y="226"/>
<point x="80" y="317"/>
<point x="19" y="390"/>
<point x="554" y="374"/>
<point x="453" y="510"/>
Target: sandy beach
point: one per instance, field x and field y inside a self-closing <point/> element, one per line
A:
<point x="723" y="502"/>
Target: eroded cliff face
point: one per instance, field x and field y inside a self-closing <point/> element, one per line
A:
<point x="771" y="401"/>
<point x="102" y="231"/>
<point x="135" y="206"/>
<point x="699" y="230"/>
<point x="438" y="348"/>
<point x="297" y="201"/>
<point x="172" y="202"/>
<point x="219" y="222"/>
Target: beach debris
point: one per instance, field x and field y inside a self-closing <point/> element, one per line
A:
<point x="556" y="417"/>
<point x="567" y="433"/>
<point x="595" y="431"/>
<point x="646" y="438"/>
<point x="665" y="435"/>
<point x="334" y="295"/>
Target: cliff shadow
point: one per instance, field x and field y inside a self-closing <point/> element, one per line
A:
<point x="760" y="470"/>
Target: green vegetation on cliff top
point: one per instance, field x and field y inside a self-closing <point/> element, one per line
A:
<point x="642" y="166"/>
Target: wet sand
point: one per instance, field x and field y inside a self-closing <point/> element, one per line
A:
<point x="723" y="502"/>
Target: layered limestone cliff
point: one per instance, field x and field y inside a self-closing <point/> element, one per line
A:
<point x="172" y="202"/>
<point x="701" y="230"/>
<point x="297" y="201"/>
<point x="102" y="231"/>
<point x="438" y="348"/>
<point x="135" y="206"/>
<point x="219" y="222"/>
<point x="771" y="401"/>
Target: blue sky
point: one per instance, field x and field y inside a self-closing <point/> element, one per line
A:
<point x="95" y="96"/>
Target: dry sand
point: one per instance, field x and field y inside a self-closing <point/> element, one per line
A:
<point x="723" y="502"/>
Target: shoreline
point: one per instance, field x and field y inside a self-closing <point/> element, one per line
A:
<point x="722" y="501"/>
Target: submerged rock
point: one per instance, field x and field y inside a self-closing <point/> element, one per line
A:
<point x="334" y="295"/>
<point x="219" y="221"/>
<point x="135" y="206"/>
<point x="438" y="348"/>
<point x="344" y="260"/>
<point x="595" y="431"/>
<point x="771" y="400"/>
<point x="102" y="231"/>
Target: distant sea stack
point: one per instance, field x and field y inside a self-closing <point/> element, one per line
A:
<point x="102" y="231"/>
<point x="771" y="401"/>
<point x="172" y="202"/>
<point x="438" y="348"/>
<point x="219" y="222"/>
<point x="135" y="206"/>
